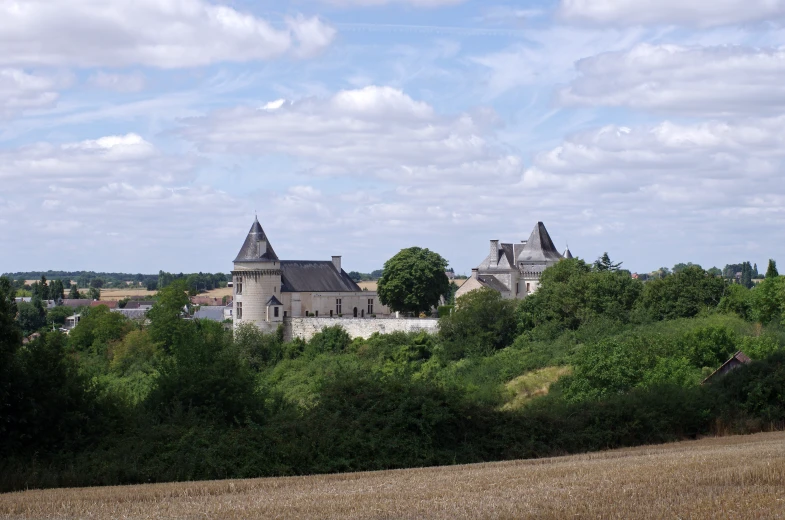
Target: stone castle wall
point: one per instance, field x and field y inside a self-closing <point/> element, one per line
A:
<point x="306" y="328"/>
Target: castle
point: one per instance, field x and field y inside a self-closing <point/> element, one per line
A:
<point x="514" y="270"/>
<point x="267" y="289"/>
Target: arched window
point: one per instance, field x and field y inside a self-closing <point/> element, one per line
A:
<point x="355" y="312"/>
<point x="362" y="313"/>
<point x="331" y="313"/>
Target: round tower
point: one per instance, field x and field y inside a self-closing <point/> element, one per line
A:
<point x="257" y="281"/>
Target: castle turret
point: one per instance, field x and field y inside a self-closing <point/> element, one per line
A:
<point x="257" y="280"/>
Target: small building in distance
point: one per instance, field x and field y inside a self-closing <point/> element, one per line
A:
<point x="736" y="360"/>
<point x="266" y="289"/>
<point x="514" y="270"/>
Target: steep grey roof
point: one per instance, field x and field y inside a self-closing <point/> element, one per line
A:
<point x="315" y="276"/>
<point x="273" y="301"/>
<point x="492" y="282"/>
<point x="213" y="313"/>
<point x="132" y="314"/>
<point x="567" y="253"/>
<point x="507" y="250"/>
<point x="250" y="252"/>
<point x="539" y="247"/>
<point x="505" y="258"/>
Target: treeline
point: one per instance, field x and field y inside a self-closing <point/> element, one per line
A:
<point x="91" y="280"/>
<point x="122" y="402"/>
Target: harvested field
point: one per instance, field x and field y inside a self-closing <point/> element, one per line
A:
<point x="729" y="477"/>
<point x="119" y="294"/>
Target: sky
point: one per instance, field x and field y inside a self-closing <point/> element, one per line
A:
<point x="146" y="135"/>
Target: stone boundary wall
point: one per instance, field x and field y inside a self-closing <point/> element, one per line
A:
<point x="305" y="328"/>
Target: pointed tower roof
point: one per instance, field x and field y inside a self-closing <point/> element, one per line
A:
<point x="539" y="247"/>
<point x="567" y="253"/>
<point x="256" y="247"/>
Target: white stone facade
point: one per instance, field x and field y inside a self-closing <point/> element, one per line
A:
<point x="305" y="328"/>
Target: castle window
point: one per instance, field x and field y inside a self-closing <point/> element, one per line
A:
<point x="238" y="283"/>
<point x="370" y="305"/>
<point x="275" y="311"/>
<point x="239" y="310"/>
<point x="284" y="314"/>
<point x="317" y="314"/>
<point x="517" y="289"/>
<point x="528" y="287"/>
<point x="337" y="306"/>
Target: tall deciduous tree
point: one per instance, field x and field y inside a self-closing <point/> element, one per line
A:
<point x="413" y="280"/>
<point x="165" y="316"/>
<point x="73" y="293"/>
<point x="771" y="271"/>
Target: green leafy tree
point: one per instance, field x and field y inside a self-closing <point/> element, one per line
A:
<point x="737" y="300"/>
<point x="57" y="315"/>
<point x="682" y="295"/>
<point x="204" y="374"/>
<point x="768" y="300"/>
<point x="571" y="294"/>
<point x="98" y="328"/>
<point x="259" y="349"/>
<point x="73" y="292"/>
<point x="56" y="290"/>
<point x="29" y="318"/>
<point x="771" y="271"/>
<point x="604" y="263"/>
<point x="95" y="293"/>
<point x="413" y="281"/>
<point x="482" y="322"/>
<point x="166" y="315"/>
<point x="10" y="341"/>
<point x="715" y="271"/>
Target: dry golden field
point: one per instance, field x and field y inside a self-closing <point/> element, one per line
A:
<point x="119" y="294"/>
<point x="728" y="477"/>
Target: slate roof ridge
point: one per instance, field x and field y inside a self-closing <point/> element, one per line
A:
<point x="273" y="301"/>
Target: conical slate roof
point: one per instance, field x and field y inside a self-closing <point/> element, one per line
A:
<point x="567" y="253"/>
<point x="256" y="247"/>
<point x="539" y="247"/>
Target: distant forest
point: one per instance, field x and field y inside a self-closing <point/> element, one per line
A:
<point x="84" y="279"/>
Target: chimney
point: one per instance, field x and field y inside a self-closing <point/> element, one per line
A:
<point x="494" y="253"/>
<point x="475" y="271"/>
<point x="337" y="263"/>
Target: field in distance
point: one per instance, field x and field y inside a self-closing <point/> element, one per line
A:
<point x="119" y="294"/>
<point x="727" y="477"/>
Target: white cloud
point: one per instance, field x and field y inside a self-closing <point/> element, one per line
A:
<point x="666" y="179"/>
<point x="687" y="12"/>
<point x="374" y="132"/>
<point x="88" y="200"/>
<point x="117" y="157"/>
<point x="133" y="82"/>
<point x="20" y="91"/>
<point x="714" y="81"/>
<point x="157" y="33"/>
